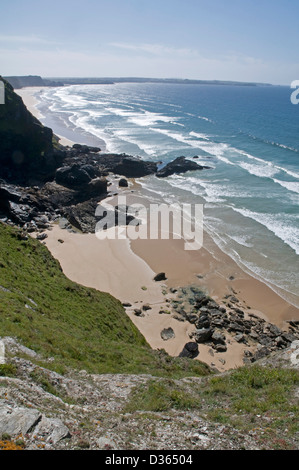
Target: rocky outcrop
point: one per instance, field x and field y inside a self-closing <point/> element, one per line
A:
<point x="179" y="165"/>
<point x="40" y="178"/>
<point x="28" y="150"/>
<point x="216" y="324"/>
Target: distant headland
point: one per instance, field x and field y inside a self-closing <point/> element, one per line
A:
<point x="35" y="80"/>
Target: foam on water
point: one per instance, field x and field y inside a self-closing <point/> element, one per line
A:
<point x="283" y="227"/>
<point x="290" y="185"/>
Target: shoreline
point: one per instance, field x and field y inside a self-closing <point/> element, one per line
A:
<point x="126" y="270"/>
<point x="67" y="137"/>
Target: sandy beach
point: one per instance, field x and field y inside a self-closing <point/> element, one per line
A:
<point x="126" y="270"/>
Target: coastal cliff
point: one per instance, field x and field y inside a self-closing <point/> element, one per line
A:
<point x="27" y="148"/>
<point x="76" y="373"/>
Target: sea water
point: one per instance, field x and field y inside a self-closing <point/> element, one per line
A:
<point x="248" y="135"/>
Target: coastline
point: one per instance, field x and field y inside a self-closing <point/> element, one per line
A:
<point x="126" y="271"/>
<point x="67" y="137"/>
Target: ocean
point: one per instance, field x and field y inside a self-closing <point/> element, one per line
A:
<point x="248" y="135"/>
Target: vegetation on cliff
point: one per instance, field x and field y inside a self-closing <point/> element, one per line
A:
<point x="75" y="325"/>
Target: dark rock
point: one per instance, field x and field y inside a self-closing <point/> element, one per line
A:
<point x="218" y="322"/>
<point x="202" y="301"/>
<point x="160" y="277"/>
<point x="218" y="338"/>
<point x="82" y="215"/>
<point x="41" y="221"/>
<point x="9" y="193"/>
<point x="240" y="338"/>
<point x="138" y="312"/>
<point x="192" y="317"/>
<point x="203" y="335"/>
<point x="212" y="305"/>
<point x="190" y="350"/>
<point x="239" y="312"/>
<point x="41" y="236"/>
<point x="234" y="326"/>
<point x="96" y="187"/>
<point x="178" y="317"/>
<point x="73" y="177"/>
<point x="182" y="312"/>
<point x="18" y="213"/>
<point x="203" y="321"/>
<point x="265" y="340"/>
<point x="280" y="343"/>
<point x="260" y="353"/>
<point x="126" y="165"/>
<point x="86" y="148"/>
<point x="254" y="335"/>
<point x="289" y="337"/>
<point x="167" y="334"/>
<point x="179" y="165"/>
<point x="123" y="183"/>
<point x="274" y="330"/>
<point x="220" y="348"/>
<point x="146" y="307"/>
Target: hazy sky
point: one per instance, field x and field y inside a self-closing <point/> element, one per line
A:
<point x="244" y="40"/>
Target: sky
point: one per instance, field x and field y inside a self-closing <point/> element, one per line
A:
<point x="242" y="40"/>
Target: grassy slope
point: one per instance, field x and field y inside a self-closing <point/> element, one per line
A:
<point x="77" y="326"/>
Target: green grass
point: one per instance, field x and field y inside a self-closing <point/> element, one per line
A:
<point x="158" y="395"/>
<point x="252" y="399"/>
<point x="77" y="326"/>
<point x="8" y="370"/>
<point x="256" y="399"/>
<point x="255" y="390"/>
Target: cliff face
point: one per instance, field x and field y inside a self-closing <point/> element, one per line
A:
<point x="26" y="146"/>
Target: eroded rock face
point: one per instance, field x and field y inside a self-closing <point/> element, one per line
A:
<point x="26" y="146"/>
<point x="17" y="420"/>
